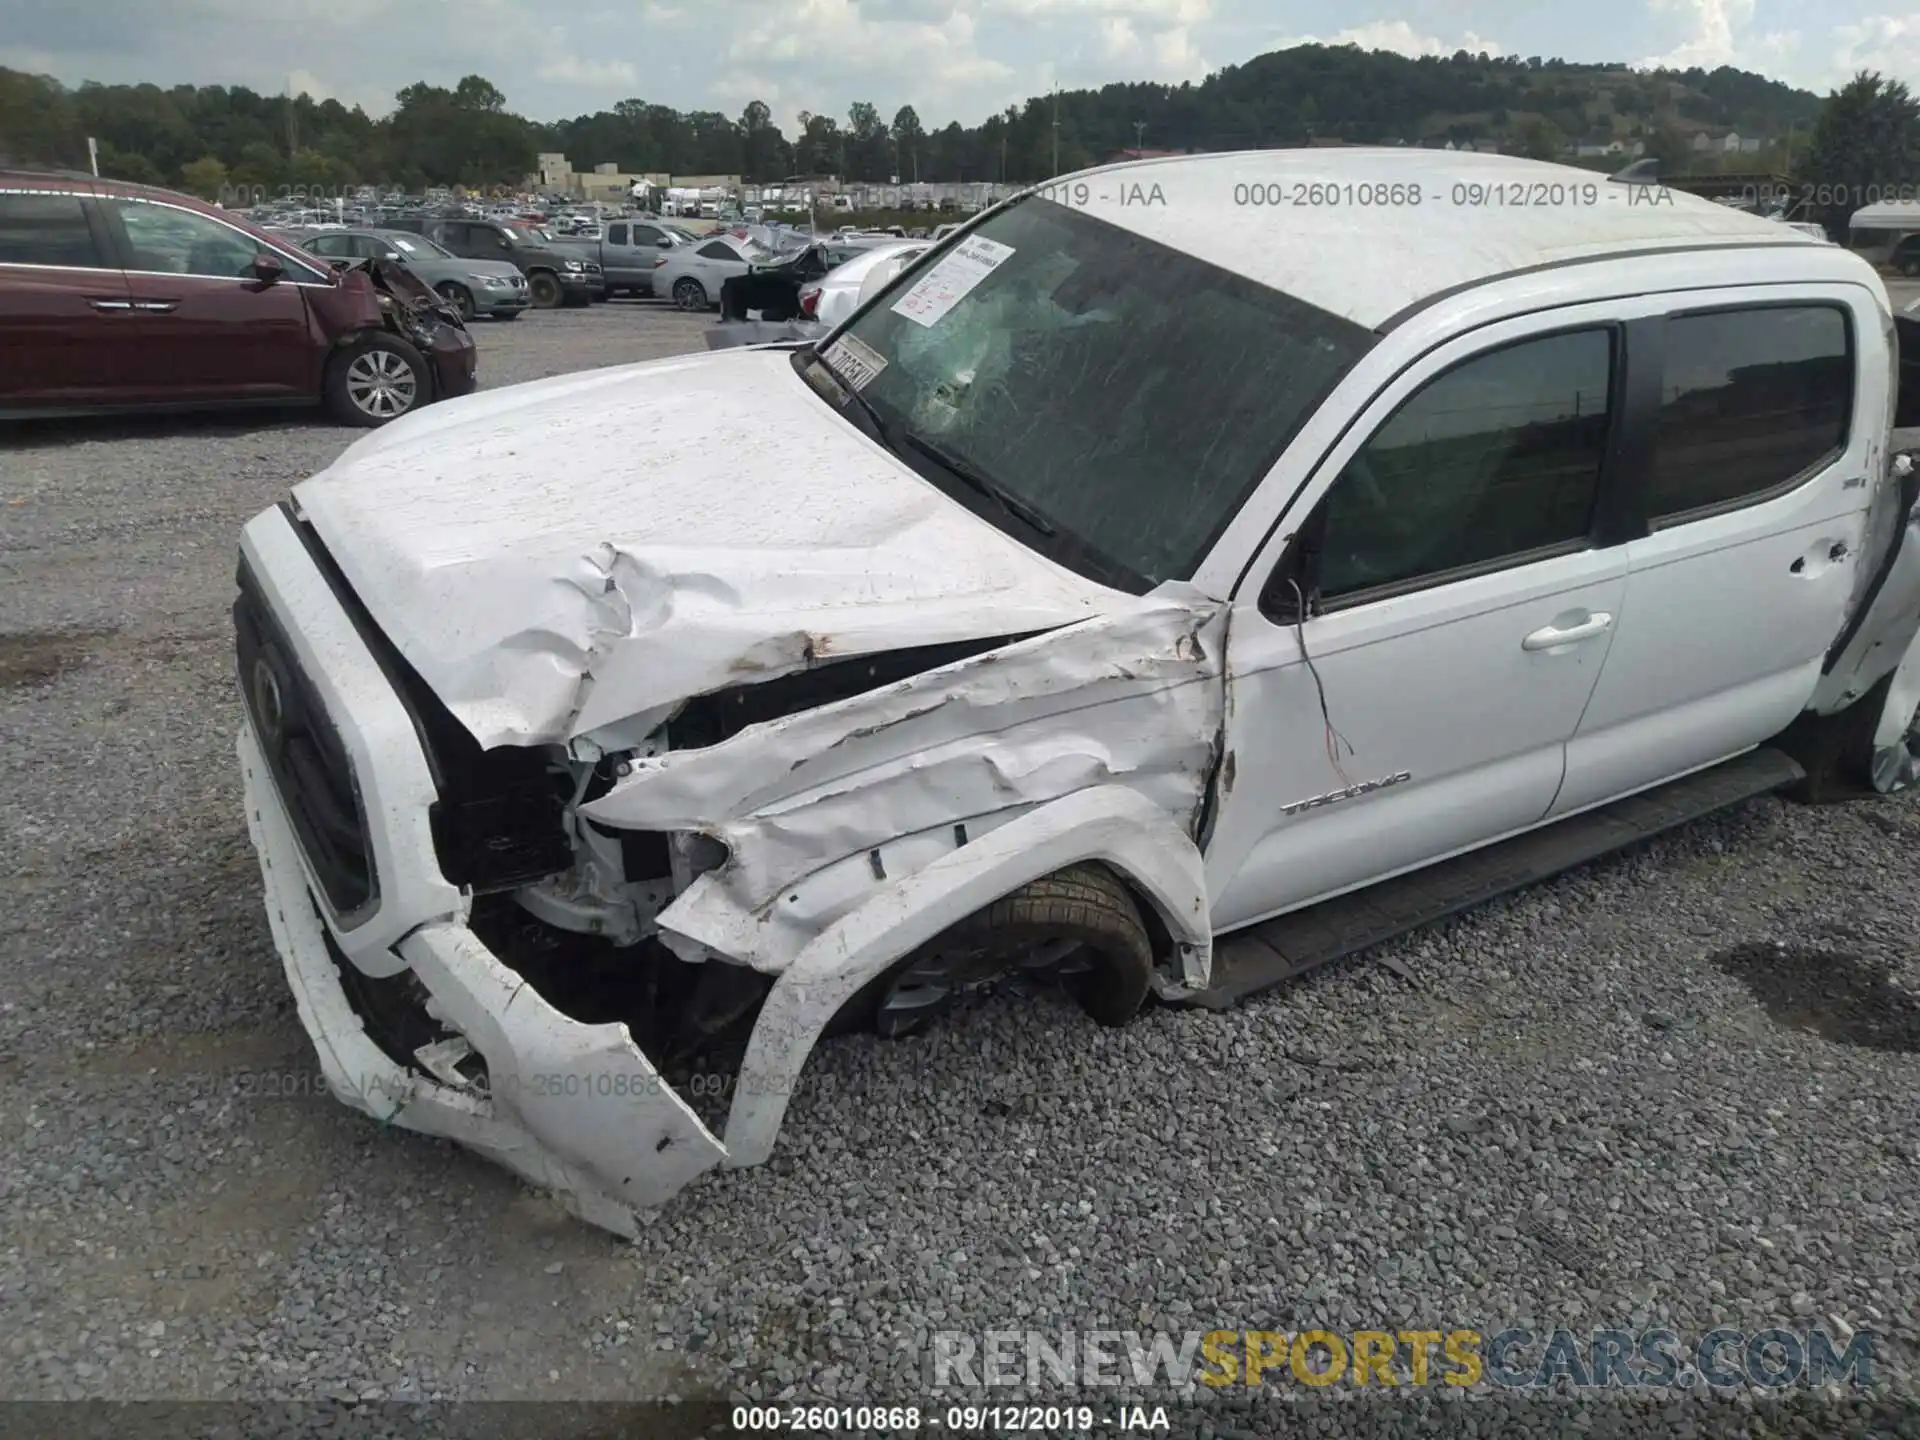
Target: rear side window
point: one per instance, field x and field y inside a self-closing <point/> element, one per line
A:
<point x="714" y="250"/>
<point x="46" y="230"/>
<point x="616" y="234"/>
<point x="1751" y="399"/>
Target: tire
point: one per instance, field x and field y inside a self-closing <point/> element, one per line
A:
<point x="459" y="297"/>
<point x="377" y="380"/>
<point x="689" y="294"/>
<point x="1908" y="263"/>
<point x="1836" y="750"/>
<point x="577" y="300"/>
<point x="1083" y="906"/>
<point x="544" y="288"/>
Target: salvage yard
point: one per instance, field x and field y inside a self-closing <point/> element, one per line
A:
<point x="1678" y="1088"/>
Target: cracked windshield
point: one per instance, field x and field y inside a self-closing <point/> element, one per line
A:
<point x="1118" y="397"/>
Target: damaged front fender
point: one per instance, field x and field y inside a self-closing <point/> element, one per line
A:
<point x="1131" y="700"/>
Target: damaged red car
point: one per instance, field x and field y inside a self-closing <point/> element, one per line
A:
<point x="125" y="297"/>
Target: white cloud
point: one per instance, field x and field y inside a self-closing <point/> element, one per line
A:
<point x="572" y="70"/>
<point x="1887" y="43"/>
<point x="1712" y="37"/>
<point x="838" y="51"/>
<point x="1401" y="38"/>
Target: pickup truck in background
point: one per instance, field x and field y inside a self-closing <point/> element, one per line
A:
<point x="1133" y="596"/>
<point x="625" y="253"/>
<point x="555" y="275"/>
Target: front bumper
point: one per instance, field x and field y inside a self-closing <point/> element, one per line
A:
<point x="573" y="1107"/>
<point x="456" y="364"/>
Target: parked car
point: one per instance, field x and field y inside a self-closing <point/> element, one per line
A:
<point x="626" y="253"/>
<point x="839" y="292"/>
<point x="1019" y="631"/>
<point x="494" y="288"/>
<point x="117" y="296"/>
<point x="691" y="275"/>
<point x="555" y="276"/>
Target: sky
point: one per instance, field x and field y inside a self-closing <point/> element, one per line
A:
<point x="950" y="59"/>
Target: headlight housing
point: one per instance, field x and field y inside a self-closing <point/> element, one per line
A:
<point x="492" y="282"/>
<point x="574" y="266"/>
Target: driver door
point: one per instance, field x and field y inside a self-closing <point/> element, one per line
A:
<point x="205" y="327"/>
<point x="1460" y="604"/>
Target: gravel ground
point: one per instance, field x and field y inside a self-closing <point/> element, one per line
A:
<point x="1676" y="1088"/>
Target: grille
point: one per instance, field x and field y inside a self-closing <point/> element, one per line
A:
<point x="309" y="765"/>
<point x="498" y="818"/>
<point x="593" y="267"/>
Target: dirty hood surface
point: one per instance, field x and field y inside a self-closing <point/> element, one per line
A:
<point x="558" y="556"/>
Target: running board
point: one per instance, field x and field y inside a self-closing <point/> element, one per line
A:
<point x="1275" y="951"/>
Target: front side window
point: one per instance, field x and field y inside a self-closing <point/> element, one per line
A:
<point x="46" y="230"/>
<point x="1750" y="400"/>
<point x="181" y="242"/>
<point x="1110" y="400"/>
<point x="1495" y="459"/>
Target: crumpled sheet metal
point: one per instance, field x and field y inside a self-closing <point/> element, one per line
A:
<point x="541" y="602"/>
<point x="1132" y="699"/>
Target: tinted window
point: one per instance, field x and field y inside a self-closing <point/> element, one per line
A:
<point x="331" y="245"/>
<point x="182" y="242"/>
<point x="45" y="230"/>
<point x="714" y="250"/>
<point x="647" y="235"/>
<point x="1751" y="398"/>
<point x="1497" y="457"/>
<point x="616" y="234"/>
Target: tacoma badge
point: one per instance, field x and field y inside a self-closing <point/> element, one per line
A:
<point x="1332" y="797"/>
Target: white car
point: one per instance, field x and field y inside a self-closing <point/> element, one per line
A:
<point x="691" y="275"/>
<point x="1141" y="595"/>
<point x="838" y="294"/>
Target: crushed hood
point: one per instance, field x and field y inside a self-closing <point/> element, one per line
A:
<point x="559" y="556"/>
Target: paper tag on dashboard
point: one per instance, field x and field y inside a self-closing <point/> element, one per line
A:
<point x="857" y="363"/>
<point x="947" y="284"/>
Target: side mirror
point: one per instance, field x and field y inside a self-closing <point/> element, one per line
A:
<point x="268" y="268"/>
<point x="395" y="256"/>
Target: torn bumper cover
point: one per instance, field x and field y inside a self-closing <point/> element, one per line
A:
<point x="355" y="894"/>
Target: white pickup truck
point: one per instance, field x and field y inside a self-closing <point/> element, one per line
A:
<point x="1179" y="578"/>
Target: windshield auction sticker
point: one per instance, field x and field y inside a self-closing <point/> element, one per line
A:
<point x="947" y="284"/>
<point x="857" y="364"/>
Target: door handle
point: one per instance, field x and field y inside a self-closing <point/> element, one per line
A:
<point x="1552" y="637"/>
<point x="111" y="304"/>
<point x="156" y="307"/>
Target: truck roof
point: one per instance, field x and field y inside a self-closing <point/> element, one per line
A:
<point x="1340" y="228"/>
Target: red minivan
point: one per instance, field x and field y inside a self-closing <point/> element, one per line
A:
<point x="123" y="297"/>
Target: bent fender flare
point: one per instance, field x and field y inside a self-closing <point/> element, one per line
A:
<point x="1108" y="823"/>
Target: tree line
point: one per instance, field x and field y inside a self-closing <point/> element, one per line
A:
<point x="202" y="138"/>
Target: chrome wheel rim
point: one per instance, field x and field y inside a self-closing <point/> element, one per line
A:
<point x="381" y="384"/>
<point x="690" y="295"/>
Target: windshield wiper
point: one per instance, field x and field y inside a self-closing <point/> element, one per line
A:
<point x="973" y="479"/>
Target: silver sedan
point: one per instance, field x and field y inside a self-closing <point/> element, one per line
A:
<point x="693" y="274"/>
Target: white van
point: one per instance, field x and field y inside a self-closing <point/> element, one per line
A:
<point x="1887" y="234"/>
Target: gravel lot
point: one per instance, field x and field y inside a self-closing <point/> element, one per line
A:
<point x="1679" y="1087"/>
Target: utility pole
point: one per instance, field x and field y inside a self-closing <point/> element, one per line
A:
<point x="1139" y="136"/>
<point x="1056" y="128"/>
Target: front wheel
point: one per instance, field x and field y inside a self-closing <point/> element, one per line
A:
<point x="376" y="381"/>
<point x="544" y="288"/>
<point x="1079" y="925"/>
<point x="689" y="294"/>
<point x="459" y="297"/>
